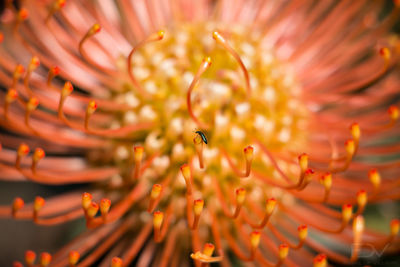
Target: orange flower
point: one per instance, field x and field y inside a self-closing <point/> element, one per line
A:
<point x="254" y="130"/>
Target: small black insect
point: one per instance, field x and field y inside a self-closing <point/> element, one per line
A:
<point x="203" y="136"/>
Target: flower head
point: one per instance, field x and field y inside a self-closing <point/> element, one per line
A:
<point x="217" y="130"/>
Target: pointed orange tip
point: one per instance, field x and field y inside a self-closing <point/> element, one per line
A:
<point x="320" y="260"/>
<point x="61" y="3"/>
<point x="255" y="238"/>
<point x="186" y="172"/>
<point x="23" y="150"/>
<point x="158" y="218"/>
<point x="32" y="104"/>
<point x="303" y="162"/>
<point x="92" y="209"/>
<point x="95" y="28"/>
<point x="19" y="69"/>
<point x="18" y="204"/>
<point x="45" y="259"/>
<point x="35" y="62"/>
<point x="303" y="231"/>
<point x="55" y="70"/>
<point x="358" y="224"/>
<point x="92" y="105"/>
<point x="73" y="257"/>
<point x="350" y="146"/>
<point x="355" y="131"/>
<point x="362" y="197"/>
<point x="283" y="251"/>
<point x="240" y="195"/>
<point x="271" y="203"/>
<point x="249" y="153"/>
<point x="30" y="257"/>
<point x="138" y="153"/>
<point x="105" y="205"/>
<point x="207" y="60"/>
<point x="374" y="177"/>
<point x="347" y="211"/>
<point x="155" y="191"/>
<point x="198" y="205"/>
<point x="116" y="262"/>
<point x="385" y="53"/>
<point x="326" y="180"/>
<point x="67" y="89"/>
<point x="38" y="154"/>
<point x="86" y="200"/>
<point x="393" y="112"/>
<point x="218" y="37"/>
<point x="208" y="249"/>
<point x="11" y="95"/>
<point x="161" y="34"/>
<point x="23" y="14"/>
<point x="38" y="203"/>
<point x="394" y="227"/>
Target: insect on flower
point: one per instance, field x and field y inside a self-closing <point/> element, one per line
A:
<point x="299" y="98"/>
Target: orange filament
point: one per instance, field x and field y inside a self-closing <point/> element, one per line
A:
<point x="22" y="151"/>
<point x="33" y="65"/>
<point x="206" y="63"/>
<point x="11" y="96"/>
<point x="326" y="181"/>
<point x="37" y="206"/>
<point x="384" y="52"/>
<point x="31" y="105"/>
<point x="154" y="197"/>
<point x="358" y="229"/>
<point x="56" y="6"/>
<point x="375" y="179"/>
<point x="221" y="40"/>
<point x="18" y="204"/>
<point x="45" y="259"/>
<point x="283" y="250"/>
<point x="269" y="209"/>
<point x="86" y="200"/>
<point x="22" y="15"/>
<point x="19" y="70"/>
<point x="53" y="72"/>
<point x="30" y="257"/>
<point x="152" y="38"/>
<point x="92" y="210"/>
<point x="320" y="261"/>
<point x="305" y="179"/>
<point x="37" y="155"/>
<point x="73" y="257"/>
<point x="137" y="156"/>
<point x="116" y="262"/>
<point x="240" y="198"/>
<point x="158" y="218"/>
<point x="198" y="205"/>
<point x="198" y="144"/>
<point x="254" y="241"/>
<point x="105" y="205"/>
<point x="362" y="199"/>
<point x="66" y="91"/>
<point x="187" y="175"/>
<point x="91" y="108"/>
<point x="394" y="114"/>
<point x="248" y="153"/>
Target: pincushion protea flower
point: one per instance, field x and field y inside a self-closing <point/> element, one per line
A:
<point x="211" y="131"/>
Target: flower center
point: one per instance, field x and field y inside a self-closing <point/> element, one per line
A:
<point x="229" y="119"/>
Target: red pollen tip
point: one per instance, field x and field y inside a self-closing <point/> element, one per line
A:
<point x="1" y="37"/>
<point x="18" y="204"/>
<point x="30" y="257"/>
<point x="105" y="205"/>
<point x="45" y="259"/>
<point x="73" y="257"/>
<point x="38" y="203"/>
<point x="309" y="171"/>
<point x="39" y="153"/>
<point x="11" y="95"/>
<point x="23" y="14"/>
<point x="393" y="112"/>
<point x="55" y="70"/>
<point x="23" y="150"/>
<point x="319" y="260"/>
<point x="116" y="262"/>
